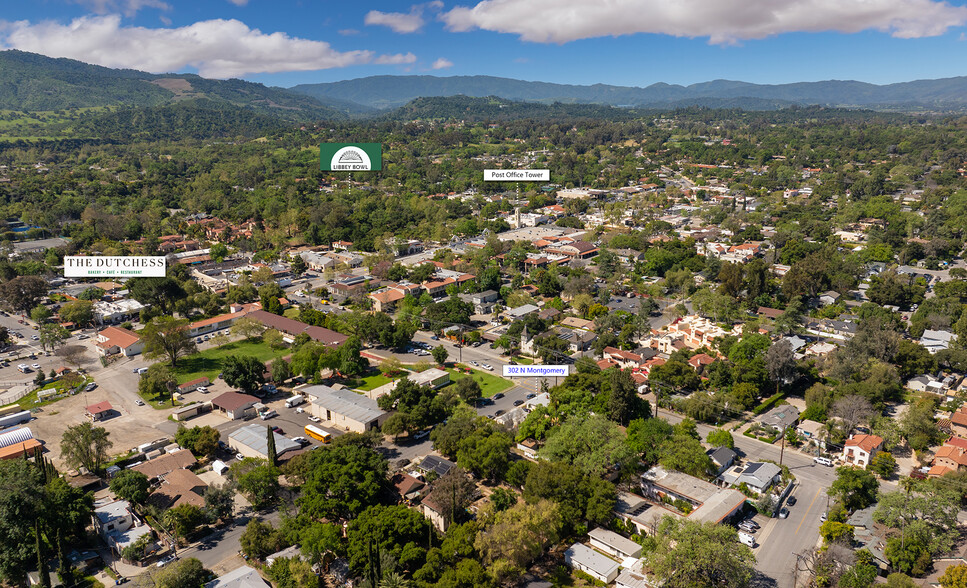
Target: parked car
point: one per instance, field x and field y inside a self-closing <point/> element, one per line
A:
<point x="239" y="456"/>
<point x="487" y="367"/>
<point x="90" y="386"/>
<point x="474" y="364"/>
<point x="278" y="430"/>
<point x="783" y="513"/>
<point x="823" y="461"/>
<point x="139" y="402"/>
<point x="791" y="501"/>
<point x="35" y="366"/>
<point x="301" y="441"/>
<point x="498" y="413"/>
<point x="518" y="402"/>
<point x="166" y="560"/>
<point x="531" y="395"/>
<point x="314" y="418"/>
<point x="498" y="396"/>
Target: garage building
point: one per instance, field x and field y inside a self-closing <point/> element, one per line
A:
<point x="253" y="441"/>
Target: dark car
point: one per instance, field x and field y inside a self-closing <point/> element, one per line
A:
<point x="498" y="396"/>
<point x="531" y="395"/>
<point x="498" y="413"/>
<point x="278" y="430"/>
<point x="791" y="501"/>
<point x="518" y="402"/>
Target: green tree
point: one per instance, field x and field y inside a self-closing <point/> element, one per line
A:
<point x="340" y="481"/>
<point x="281" y="370"/>
<point x="200" y="440"/>
<point x="350" y="361"/>
<point x="85" y="445"/>
<point x="510" y="539"/>
<point x="52" y="335"/>
<point x="167" y="337"/>
<point x="468" y="389"/>
<point x="954" y="577"/>
<point x="40" y="314"/>
<point x="247" y="328"/>
<point x="647" y="436"/>
<point x="260" y="539"/>
<point x="184" y="573"/>
<point x="440" y="354"/>
<point x="720" y="438"/>
<point x="244" y="372"/>
<point x="926" y="516"/>
<point x="219" y="502"/>
<point x="257" y="479"/>
<point x="23" y="292"/>
<point x="883" y="464"/>
<point x="400" y="531"/>
<point x="159" y="381"/>
<point x="855" y="488"/>
<point x="832" y="531"/>
<point x="690" y="554"/>
<point x="79" y="312"/>
<point x="183" y="519"/>
<point x="270" y="451"/>
<point x="685" y="454"/>
<point x="592" y="444"/>
<point x="130" y="485"/>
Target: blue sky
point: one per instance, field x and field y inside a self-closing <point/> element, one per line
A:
<point x="622" y="42"/>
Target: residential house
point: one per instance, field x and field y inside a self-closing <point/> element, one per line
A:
<point x="829" y="298"/>
<point x="161" y="466"/>
<point x="757" y="476"/>
<point x="112" y="340"/>
<point x="948" y="459"/>
<point x="593" y="563"/>
<point x="780" y="418"/>
<point x="435" y="464"/>
<point x="624" y="359"/>
<point x="243" y="577"/>
<point x="860" y="449"/>
<point x="116" y="523"/>
<point x="936" y="341"/>
<point x="812" y="432"/>
<point x="177" y="488"/>
<point x="722" y="458"/>
<point x="385" y="299"/>
<point x="613" y="544"/>
<point x="958" y="422"/>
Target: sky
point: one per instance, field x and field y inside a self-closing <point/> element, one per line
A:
<point x="620" y="42"/>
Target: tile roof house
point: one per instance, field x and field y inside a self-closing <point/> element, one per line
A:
<point x="860" y="449"/>
<point x="111" y="340"/>
<point x="177" y="488"/>
<point x="958" y="422"/>
<point x="948" y="459"/>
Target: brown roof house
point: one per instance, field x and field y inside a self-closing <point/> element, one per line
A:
<point x="860" y="449"/>
<point x="99" y="411"/>
<point x="179" y="487"/>
<point x="167" y="463"/>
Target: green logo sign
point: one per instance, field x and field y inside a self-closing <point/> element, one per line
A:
<point x="351" y="157"/>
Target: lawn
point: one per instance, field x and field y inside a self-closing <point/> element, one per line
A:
<point x="489" y="384"/>
<point x="374" y="380"/>
<point x="30" y="400"/>
<point x="209" y="362"/>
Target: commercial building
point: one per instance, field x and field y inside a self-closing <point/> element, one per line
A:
<point x="709" y="502"/>
<point x="235" y="405"/>
<point x="593" y="563"/>
<point x="345" y="408"/>
<point x="99" y="411"/>
<point x="253" y="441"/>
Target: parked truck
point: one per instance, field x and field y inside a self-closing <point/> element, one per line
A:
<point x="294" y="401"/>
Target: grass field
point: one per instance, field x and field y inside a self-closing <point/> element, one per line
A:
<point x="374" y="380"/>
<point x="489" y="384"/>
<point x="30" y="400"/>
<point x="209" y="362"/>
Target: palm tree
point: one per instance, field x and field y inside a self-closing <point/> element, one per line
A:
<point x="394" y="580"/>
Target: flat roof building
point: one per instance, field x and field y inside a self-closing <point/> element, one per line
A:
<point x="253" y="441"/>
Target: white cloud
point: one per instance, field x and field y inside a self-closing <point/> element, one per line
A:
<point x="398" y="21"/>
<point x="442" y="63"/>
<point x="348" y="32"/>
<point x="128" y="7"/>
<point x="402" y="22"/>
<point x="216" y="48"/>
<point x="722" y="21"/>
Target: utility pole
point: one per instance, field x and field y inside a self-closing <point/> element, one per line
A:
<point x="783" y="449"/>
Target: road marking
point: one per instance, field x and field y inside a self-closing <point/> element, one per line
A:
<point x="808" y="510"/>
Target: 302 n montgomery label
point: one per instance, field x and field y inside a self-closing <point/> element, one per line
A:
<point x="111" y="266"/>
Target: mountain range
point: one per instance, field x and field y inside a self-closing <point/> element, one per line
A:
<point x="392" y="91"/>
<point x="32" y="82"/>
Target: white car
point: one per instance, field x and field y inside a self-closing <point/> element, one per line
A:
<point x="487" y="367"/>
<point x="202" y="389"/>
<point x="35" y="366"/>
<point x="300" y="410"/>
<point x="474" y="364"/>
<point x="239" y="456"/>
<point x="315" y="419"/>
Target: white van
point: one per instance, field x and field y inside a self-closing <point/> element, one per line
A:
<point x="823" y="461"/>
<point x="294" y="401"/>
<point x="747" y="539"/>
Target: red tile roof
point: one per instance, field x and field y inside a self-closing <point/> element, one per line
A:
<point x="99" y="408"/>
<point x="865" y="442"/>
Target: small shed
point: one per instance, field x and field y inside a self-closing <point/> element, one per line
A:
<point x="99" y="411"/>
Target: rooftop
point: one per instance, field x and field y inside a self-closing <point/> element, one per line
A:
<point x="347" y="403"/>
<point x="256" y="438"/>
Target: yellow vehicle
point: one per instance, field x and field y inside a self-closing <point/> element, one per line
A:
<point x="318" y="434"/>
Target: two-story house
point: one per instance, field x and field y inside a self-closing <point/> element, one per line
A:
<point x="860" y="449"/>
